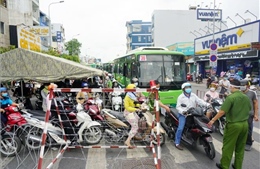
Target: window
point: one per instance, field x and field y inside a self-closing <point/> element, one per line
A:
<point x="149" y="38"/>
<point x="139" y="39"/>
<point x="149" y="29"/>
<point x="2" y="27"/>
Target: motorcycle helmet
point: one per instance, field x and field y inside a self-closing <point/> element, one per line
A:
<point x="134" y="80"/>
<point x="185" y="85"/>
<point x="213" y="85"/>
<point x="3" y="89"/>
<point x="130" y="86"/>
<point x="84" y="84"/>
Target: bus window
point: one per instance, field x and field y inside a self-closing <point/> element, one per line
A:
<point x="125" y="70"/>
<point x="134" y="72"/>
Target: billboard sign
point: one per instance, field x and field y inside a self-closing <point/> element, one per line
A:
<point x="187" y="48"/>
<point x="208" y="14"/>
<point x="28" y="40"/>
<point x="40" y="30"/>
<point x="235" y="39"/>
<point x="58" y="36"/>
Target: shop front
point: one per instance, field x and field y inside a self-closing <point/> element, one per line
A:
<point x="234" y="51"/>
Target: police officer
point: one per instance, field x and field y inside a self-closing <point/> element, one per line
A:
<point x="236" y="108"/>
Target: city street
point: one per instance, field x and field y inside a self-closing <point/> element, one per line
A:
<point x="189" y="158"/>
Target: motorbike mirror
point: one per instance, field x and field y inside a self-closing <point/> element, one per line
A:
<point x="207" y="95"/>
<point x="183" y="105"/>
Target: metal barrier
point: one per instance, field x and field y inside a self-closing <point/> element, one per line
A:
<point x="200" y="94"/>
<point x="157" y="158"/>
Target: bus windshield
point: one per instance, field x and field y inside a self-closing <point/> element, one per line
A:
<point x="164" y="68"/>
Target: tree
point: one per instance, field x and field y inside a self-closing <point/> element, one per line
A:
<point x="73" y="46"/>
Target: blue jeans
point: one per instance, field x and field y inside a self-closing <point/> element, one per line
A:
<point x="181" y="125"/>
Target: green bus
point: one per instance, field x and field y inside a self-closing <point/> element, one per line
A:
<point x="108" y="67"/>
<point x="153" y="63"/>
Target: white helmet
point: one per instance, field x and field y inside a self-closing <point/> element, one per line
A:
<point x="185" y="85"/>
<point x="247" y="75"/>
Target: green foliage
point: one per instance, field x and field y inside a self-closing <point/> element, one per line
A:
<point x="73" y="46"/>
<point x="65" y="56"/>
<point x="6" y="49"/>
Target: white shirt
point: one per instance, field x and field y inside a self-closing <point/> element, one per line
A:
<point x="190" y="102"/>
<point x="224" y="82"/>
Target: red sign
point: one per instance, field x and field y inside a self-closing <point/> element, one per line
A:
<point x="142" y="58"/>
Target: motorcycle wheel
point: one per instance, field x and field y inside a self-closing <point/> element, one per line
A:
<point x="162" y="139"/>
<point x="10" y="145"/>
<point x="32" y="139"/>
<point x="221" y="127"/>
<point x="209" y="149"/>
<point x="92" y="135"/>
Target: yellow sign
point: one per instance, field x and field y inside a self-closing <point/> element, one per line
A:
<point x="40" y="30"/>
<point x="28" y="40"/>
<point x="225" y="49"/>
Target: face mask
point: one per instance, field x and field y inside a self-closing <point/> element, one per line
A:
<point x="115" y="84"/>
<point x="188" y="90"/>
<point x="212" y="89"/>
<point x="225" y="78"/>
<point x="136" y="84"/>
<point x="4" y="94"/>
<point x="243" y="88"/>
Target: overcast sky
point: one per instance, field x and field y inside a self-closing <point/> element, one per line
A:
<point x="101" y="23"/>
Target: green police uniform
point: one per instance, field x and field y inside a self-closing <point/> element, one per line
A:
<point x="236" y="108"/>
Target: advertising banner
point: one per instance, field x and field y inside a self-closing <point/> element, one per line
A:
<point x="39" y="30"/>
<point x="27" y="39"/>
<point x="187" y="48"/>
<point x="208" y="14"/>
<point x="236" y="39"/>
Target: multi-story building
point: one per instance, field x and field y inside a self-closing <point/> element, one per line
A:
<point x="44" y="22"/>
<point x="4" y="24"/>
<point x="58" y="37"/>
<point x="23" y="12"/>
<point x="138" y="34"/>
<point x="174" y="26"/>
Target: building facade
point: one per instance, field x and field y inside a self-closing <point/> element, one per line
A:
<point x="138" y="34"/>
<point x="44" y="22"/>
<point x="174" y="26"/>
<point x="4" y="25"/>
<point x="58" y="37"/>
<point x="234" y="50"/>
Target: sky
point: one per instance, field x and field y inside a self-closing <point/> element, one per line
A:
<point x="101" y="23"/>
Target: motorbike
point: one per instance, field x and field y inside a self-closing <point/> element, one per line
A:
<point x="189" y="77"/>
<point x="10" y="144"/>
<point x="195" y="129"/>
<point x="221" y="122"/>
<point x="199" y="78"/>
<point x="117" y="127"/>
<point x="117" y="101"/>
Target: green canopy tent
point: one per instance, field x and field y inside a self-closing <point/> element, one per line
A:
<point x="21" y="64"/>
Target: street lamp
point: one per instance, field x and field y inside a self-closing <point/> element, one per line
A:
<point x="198" y="32"/>
<point x="215" y="26"/>
<point x="203" y="31"/>
<point x="232" y="20"/>
<point x="193" y="34"/>
<point x="241" y="17"/>
<point x="49" y="13"/>
<point x="208" y="29"/>
<point x="247" y="11"/>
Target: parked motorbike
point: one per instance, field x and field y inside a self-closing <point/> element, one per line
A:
<point x="117" y="101"/>
<point x="199" y="78"/>
<point x="117" y="127"/>
<point x="85" y="129"/>
<point x="195" y="129"/>
<point x="221" y="122"/>
<point x="189" y="77"/>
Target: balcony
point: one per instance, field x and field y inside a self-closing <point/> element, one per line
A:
<point x="36" y="18"/>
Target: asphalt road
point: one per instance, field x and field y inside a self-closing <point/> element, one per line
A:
<point x="189" y="158"/>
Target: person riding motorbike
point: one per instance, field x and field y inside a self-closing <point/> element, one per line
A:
<point x="130" y="113"/>
<point x="190" y="100"/>
<point x="5" y="101"/>
<point x="213" y="94"/>
<point x="44" y="93"/>
<point x="224" y="84"/>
